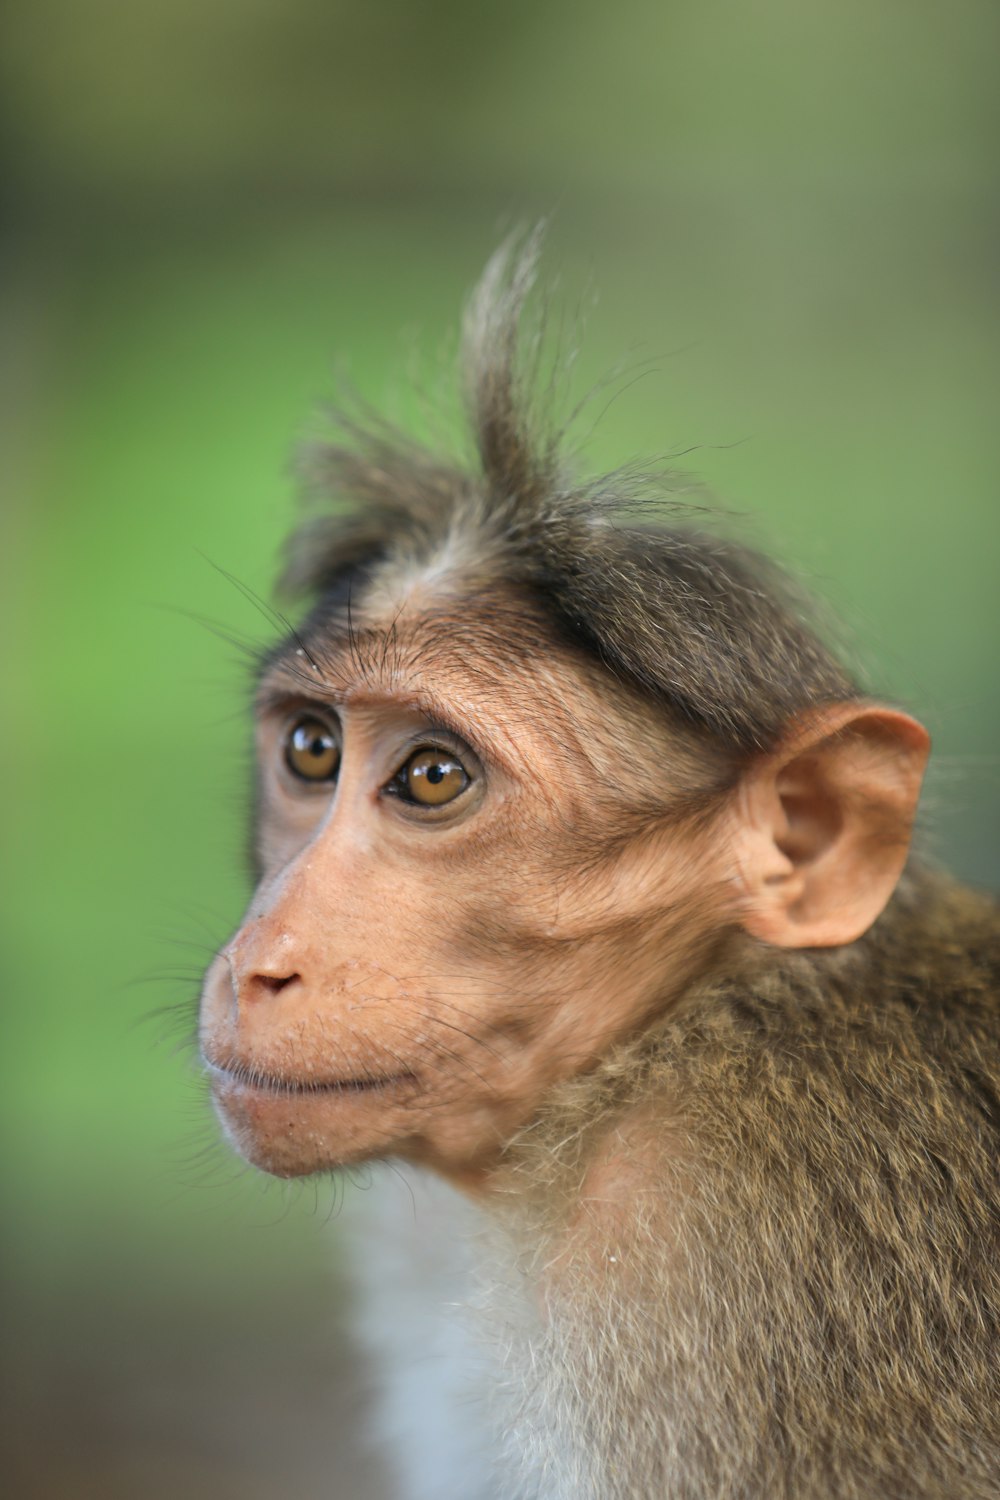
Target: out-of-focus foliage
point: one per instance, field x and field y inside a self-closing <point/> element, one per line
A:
<point x="790" y="209"/>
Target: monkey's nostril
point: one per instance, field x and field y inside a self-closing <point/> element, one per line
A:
<point x="274" y="983"/>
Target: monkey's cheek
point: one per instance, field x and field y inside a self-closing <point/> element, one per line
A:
<point x="293" y="1135"/>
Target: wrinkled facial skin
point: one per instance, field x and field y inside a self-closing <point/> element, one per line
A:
<point x="411" y="977"/>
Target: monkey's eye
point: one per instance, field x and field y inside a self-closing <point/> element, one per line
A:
<point x="312" y="750"/>
<point x="430" y="778"/>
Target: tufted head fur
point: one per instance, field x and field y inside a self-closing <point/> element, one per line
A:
<point x="704" y="626"/>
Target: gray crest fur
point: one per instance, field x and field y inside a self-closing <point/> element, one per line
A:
<point x="704" y="625"/>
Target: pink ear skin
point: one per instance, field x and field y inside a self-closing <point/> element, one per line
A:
<point x="823" y="824"/>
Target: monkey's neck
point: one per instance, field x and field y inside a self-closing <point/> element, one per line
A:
<point x="638" y="1115"/>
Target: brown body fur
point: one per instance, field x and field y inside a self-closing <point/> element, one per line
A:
<point x="790" y="1287"/>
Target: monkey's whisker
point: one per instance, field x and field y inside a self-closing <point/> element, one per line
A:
<point x="275" y="1083"/>
<point x="477" y="1041"/>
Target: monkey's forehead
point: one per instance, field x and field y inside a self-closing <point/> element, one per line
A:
<point x="492" y="664"/>
<point x="485" y="639"/>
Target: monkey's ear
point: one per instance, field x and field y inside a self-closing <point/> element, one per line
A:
<point x="824" y="824"/>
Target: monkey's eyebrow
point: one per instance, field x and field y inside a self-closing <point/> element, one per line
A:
<point x="290" y="673"/>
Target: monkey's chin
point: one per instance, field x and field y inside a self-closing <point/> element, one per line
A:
<point x="291" y="1132"/>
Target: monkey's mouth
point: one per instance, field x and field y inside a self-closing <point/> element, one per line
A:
<point x="258" y="1080"/>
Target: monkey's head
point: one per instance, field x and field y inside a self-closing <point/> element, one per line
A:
<point x="524" y="773"/>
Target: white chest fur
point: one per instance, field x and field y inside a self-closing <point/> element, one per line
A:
<point x="418" y="1317"/>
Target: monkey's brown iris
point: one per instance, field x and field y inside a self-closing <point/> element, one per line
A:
<point x="312" y="750"/>
<point x="432" y="777"/>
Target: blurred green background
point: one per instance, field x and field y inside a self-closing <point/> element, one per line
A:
<point x="791" y="207"/>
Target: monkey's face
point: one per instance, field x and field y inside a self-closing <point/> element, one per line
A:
<point x="451" y="914"/>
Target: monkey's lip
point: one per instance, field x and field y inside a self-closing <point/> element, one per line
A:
<point x="259" y="1081"/>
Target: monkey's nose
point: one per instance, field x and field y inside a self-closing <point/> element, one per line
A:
<point x="268" y="984"/>
<point x="253" y="987"/>
<point x="257" y="977"/>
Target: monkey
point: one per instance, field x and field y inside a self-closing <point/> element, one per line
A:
<point x="585" y="889"/>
